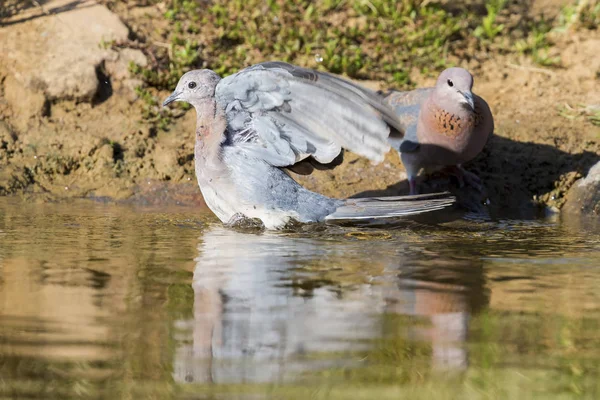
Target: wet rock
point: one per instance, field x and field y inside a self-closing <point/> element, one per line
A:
<point x="584" y="196"/>
<point x="57" y="54"/>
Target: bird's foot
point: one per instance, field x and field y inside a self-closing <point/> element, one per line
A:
<point x="465" y="177"/>
<point x="239" y="220"/>
<point x="236" y="219"/>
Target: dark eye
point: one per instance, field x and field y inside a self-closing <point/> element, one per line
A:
<point x="192" y="85"/>
<point x="450" y="83"/>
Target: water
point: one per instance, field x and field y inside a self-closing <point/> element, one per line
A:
<point x="105" y="301"/>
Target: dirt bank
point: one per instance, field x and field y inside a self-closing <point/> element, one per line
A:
<point x="106" y="141"/>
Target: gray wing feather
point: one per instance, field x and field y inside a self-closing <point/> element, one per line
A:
<point x="341" y="86"/>
<point x="285" y="114"/>
<point x="407" y="106"/>
<point x="391" y="207"/>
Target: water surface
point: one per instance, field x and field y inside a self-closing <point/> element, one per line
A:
<point x="107" y="301"/>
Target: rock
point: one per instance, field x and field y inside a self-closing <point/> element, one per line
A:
<point x="117" y="66"/>
<point x="106" y="155"/>
<point x="25" y="102"/>
<point x="584" y="196"/>
<point x="58" y="54"/>
<point x="130" y="86"/>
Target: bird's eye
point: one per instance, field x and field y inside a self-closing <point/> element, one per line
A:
<point x="192" y="85"/>
<point x="450" y="83"/>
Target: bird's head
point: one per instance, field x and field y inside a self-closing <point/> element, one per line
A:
<point x="194" y="86"/>
<point x="454" y="85"/>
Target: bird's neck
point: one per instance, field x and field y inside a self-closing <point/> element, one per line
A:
<point x="450" y="106"/>
<point x="208" y="119"/>
<point x="210" y="131"/>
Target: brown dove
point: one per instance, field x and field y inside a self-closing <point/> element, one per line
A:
<point x="446" y="125"/>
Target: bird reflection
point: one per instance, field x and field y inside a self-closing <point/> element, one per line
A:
<point x="263" y="303"/>
<point x="446" y="293"/>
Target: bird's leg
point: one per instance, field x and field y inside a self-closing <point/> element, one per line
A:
<point x="412" y="168"/>
<point x="412" y="184"/>
<point x="465" y="177"/>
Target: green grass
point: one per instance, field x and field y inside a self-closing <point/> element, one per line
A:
<point x="490" y="28"/>
<point x="363" y="39"/>
<point x="594" y="118"/>
<point x="590" y="112"/>
<point x="537" y="44"/>
<point x="381" y="40"/>
<point x="580" y="14"/>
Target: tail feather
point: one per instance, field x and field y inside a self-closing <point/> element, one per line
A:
<point x="391" y="207"/>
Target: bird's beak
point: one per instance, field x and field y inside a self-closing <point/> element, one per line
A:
<point x="173" y="97"/>
<point x="468" y="99"/>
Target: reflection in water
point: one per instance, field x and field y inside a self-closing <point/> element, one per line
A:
<point x="85" y="292"/>
<point x="446" y="292"/>
<point x="105" y="301"/>
<point x="256" y="319"/>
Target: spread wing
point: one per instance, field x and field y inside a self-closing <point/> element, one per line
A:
<point x="285" y="114"/>
<point x="407" y="106"/>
